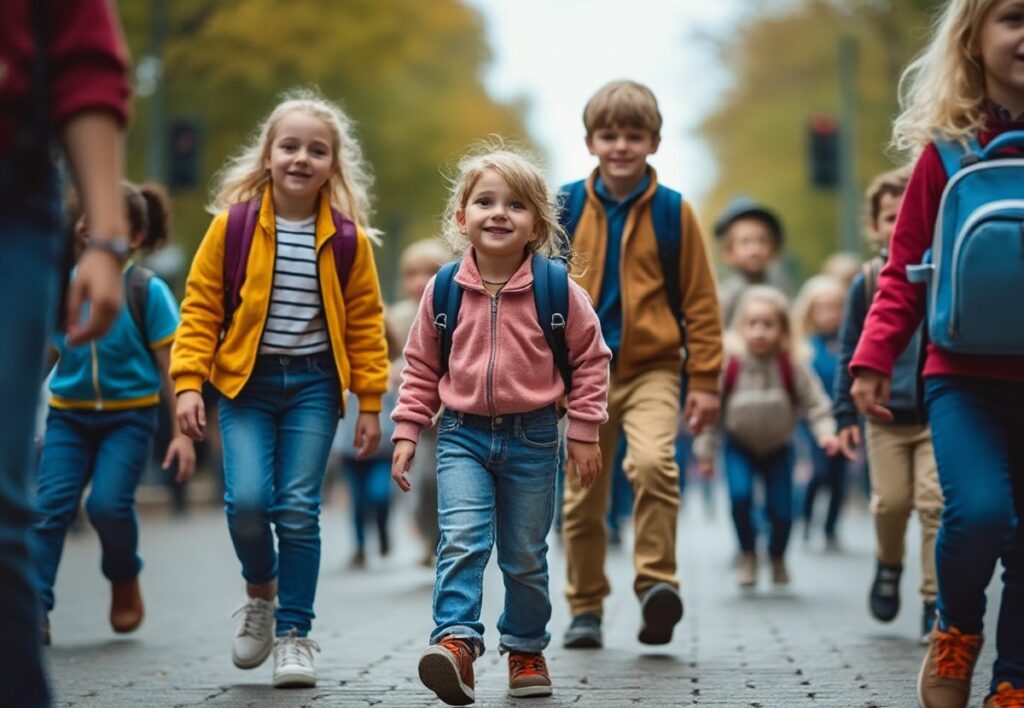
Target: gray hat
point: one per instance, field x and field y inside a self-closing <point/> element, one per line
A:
<point x="743" y="207"/>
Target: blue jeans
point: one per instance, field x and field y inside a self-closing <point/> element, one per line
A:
<point x="277" y="436"/>
<point x="370" y="486"/>
<point x="777" y="472"/>
<point x="495" y="484"/>
<point x="30" y="254"/>
<point x="110" y="448"/>
<point x="978" y="434"/>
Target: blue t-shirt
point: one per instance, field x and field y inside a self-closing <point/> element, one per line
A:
<point x="609" y="304"/>
<point x="117" y="371"/>
<point x="825" y="359"/>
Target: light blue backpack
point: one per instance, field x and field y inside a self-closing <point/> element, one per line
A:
<point x="975" y="267"/>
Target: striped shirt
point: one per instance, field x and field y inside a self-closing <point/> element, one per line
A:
<point x="295" y="323"/>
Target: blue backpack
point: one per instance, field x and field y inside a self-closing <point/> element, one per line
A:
<point x="975" y="266"/>
<point x="550" y="296"/>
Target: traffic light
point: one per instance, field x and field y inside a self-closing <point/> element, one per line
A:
<point x="823" y="144"/>
<point x="183" y="171"/>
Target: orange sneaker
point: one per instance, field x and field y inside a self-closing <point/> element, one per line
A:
<point x="126" y="608"/>
<point x="1006" y="696"/>
<point x="446" y="668"/>
<point x="528" y="675"/>
<point x="945" y="678"/>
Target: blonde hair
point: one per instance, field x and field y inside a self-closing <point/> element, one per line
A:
<point x="348" y="186"/>
<point x="803" y="306"/>
<point x="942" y="91"/>
<point x="519" y="169"/>
<point x="430" y="251"/>
<point x="765" y="294"/>
<point x="626" y="104"/>
<point x="843" y="266"/>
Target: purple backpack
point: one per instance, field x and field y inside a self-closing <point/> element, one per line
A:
<point x="242" y="218"/>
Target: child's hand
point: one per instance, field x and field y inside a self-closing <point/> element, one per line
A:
<point x="830" y="444"/>
<point x="849" y="440"/>
<point x="701" y="409"/>
<point x="405" y="450"/>
<point x="870" y="392"/>
<point x="706" y="468"/>
<point x="182" y="449"/>
<point x="367" y="435"/>
<point x="587" y="457"/>
<point x="191" y="414"/>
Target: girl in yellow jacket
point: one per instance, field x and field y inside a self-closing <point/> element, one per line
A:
<point x="282" y="314"/>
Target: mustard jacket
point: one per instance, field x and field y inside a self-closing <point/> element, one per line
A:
<point x="355" y="320"/>
<point x="650" y="338"/>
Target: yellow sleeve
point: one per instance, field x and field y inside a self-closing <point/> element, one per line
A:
<point x="365" y="344"/>
<point x="699" y="306"/>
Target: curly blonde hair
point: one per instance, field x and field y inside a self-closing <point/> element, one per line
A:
<point x="942" y="91"/>
<point x="348" y="186"/>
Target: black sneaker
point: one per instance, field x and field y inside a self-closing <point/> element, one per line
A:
<point x="884" y="600"/>
<point x="584" y="632"/>
<point x="927" y="620"/>
<point x="662" y="608"/>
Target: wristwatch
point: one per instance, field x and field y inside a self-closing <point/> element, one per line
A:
<point x="119" y="247"/>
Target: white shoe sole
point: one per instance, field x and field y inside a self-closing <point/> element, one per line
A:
<point x="294" y="678"/>
<point x="440" y="674"/>
<point x="255" y="661"/>
<point x="530" y="691"/>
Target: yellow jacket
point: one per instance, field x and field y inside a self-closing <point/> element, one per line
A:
<point x="650" y="339"/>
<point x="355" y="320"/>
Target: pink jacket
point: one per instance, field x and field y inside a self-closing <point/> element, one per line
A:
<point x="500" y="363"/>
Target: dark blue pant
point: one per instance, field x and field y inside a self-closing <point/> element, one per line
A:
<point x="978" y="433"/>
<point x="828" y="473"/>
<point x="777" y="472"/>
<point x="370" y="486"/>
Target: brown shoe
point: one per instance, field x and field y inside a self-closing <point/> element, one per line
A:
<point x="945" y="678"/>
<point x="747" y="575"/>
<point x="1006" y="696"/>
<point x="126" y="609"/>
<point x="528" y="675"/>
<point x="780" y="575"/>
<point x="446" y="668"/>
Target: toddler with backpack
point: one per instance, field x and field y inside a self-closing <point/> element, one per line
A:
<point x="956" y="260"/>
<point x="501" y="336"/>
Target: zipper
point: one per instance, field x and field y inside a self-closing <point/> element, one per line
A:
<point x="96" y="375"/>
<point x="979" y="215"/>
<point x="490" y="360"/>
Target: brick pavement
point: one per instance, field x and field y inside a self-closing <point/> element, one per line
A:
<point x="813" y="645"/>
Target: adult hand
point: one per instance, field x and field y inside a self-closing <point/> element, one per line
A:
<point x="97" y="282"/>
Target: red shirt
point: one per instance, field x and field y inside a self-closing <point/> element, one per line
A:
<point x="87" y="62"/>
<point x="899" y="305"/>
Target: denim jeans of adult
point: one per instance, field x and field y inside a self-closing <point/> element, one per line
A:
<point x="776" y="470"/>
<point x="495" y="484"/>
<point x="828" y="473"/>
<point x="110" y="449"/>
<point x="369" y="484"/>
<point x="277" y="436"/>
<point x="978" y="435"/>
<point x="30" y="255"/>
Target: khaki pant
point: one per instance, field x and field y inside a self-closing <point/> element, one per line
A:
<point x="647" y="408"/>
<point x="904" y="477"/>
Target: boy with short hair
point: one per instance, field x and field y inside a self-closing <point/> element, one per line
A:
<point x="751" y="235"/>
<point x="625" y="224"/>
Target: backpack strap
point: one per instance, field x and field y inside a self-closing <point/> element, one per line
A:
<point x="667" y="215"/>
<point x="573" y="198"/>
<point x="953" y="154"/>
<point x="732" y="374"/>
<point x="871" y="269"/>
<point x="788" y="378"/>
<point x="447" y="298"/>
<point x="241" y="226"/>
<point x="551" y="297"/>
<point x="343" y="244"/>
<point x="137" y="297"/>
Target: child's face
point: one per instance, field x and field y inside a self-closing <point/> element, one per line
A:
<point x="497" y="221"/>
<point x="827" y="313"/>
<point x="749" y="246"/>
<point x="622" y="152"/>
<point x="883" y="225"/>
<point x="761" y="328"/>
<point x="301" y="156"/>
<point x="1001" y="46"/>
<point x="415" y="277"/>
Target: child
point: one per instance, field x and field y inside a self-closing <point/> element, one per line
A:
<point x="303" y="329"/>
<point x="751" y="236"/>
<point x="102" y="420"/>
<point x="967" y="85"/>
<point x="650" y="277"/>
<point x="765" y="391"/>
<point x="843" y="267"/>
<point x="498" y="441"/>
<point x="817" y="314"/>
<point x="900" y="455"/>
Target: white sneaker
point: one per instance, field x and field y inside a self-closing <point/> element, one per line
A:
<point x="293" y="661"/>
<point x="255" y="636"/>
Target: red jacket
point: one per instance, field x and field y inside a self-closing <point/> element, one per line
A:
<point x="899" y="305"/>
<point x="87" y="62"/>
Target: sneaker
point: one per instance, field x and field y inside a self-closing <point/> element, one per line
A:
<point x="528" y="675"/>
<point x="358" y="560"/>
<point x="747" y="575"/>
<point x="254" y="639"/>
<point x="945" y="678"/>
<point x="446" y="668"/>
<point x="662" y="608"/>
<point x="1006" y="696"/>
<point x="44" y="630"/>
<point x="780" y="575"/>
<point x="884" y="599"/>
<point x="927" y="620"/>
<point x="293" y="661"/>
<point x="126" y="610"/>
<point x="584" y="632"/>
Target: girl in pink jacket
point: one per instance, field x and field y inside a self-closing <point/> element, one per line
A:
<point x="498" y="439"/>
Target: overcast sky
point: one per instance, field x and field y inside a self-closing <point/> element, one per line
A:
<point x="556" y="53"/>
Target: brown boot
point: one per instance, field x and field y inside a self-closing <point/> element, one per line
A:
<point x="945" y="678"/>
<point x="747" y="575"/>
<point x="126" y="609"/>
<point x="780" y="575"/>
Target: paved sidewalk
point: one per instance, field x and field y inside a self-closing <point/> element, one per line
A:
<point x="813" y="645"/>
